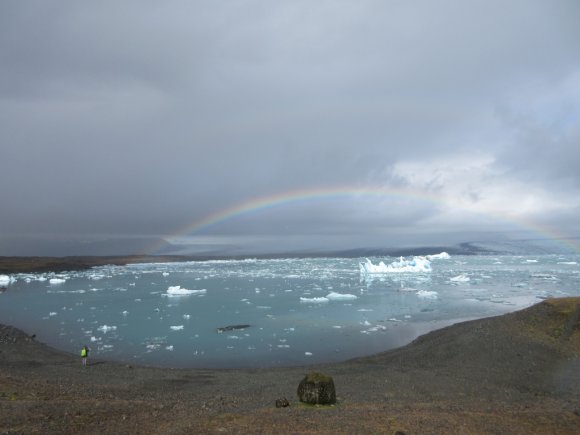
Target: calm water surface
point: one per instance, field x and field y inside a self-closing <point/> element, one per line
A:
<point x="300" y="311"/>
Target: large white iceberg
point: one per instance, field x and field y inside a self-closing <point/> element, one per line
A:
<point x="176" y="290"/>
<point x="416" y="264"/>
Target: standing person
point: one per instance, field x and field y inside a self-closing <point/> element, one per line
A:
<point x="84" y="355"/>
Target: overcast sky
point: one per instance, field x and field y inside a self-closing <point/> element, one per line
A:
<point x="137" y="118"/>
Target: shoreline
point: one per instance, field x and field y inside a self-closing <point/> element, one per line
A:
<point x="515" y="373"/>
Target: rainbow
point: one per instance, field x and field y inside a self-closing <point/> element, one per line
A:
<point x="256" y="205"/>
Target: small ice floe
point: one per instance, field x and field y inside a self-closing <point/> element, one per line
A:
<point x="283" y="346"/>
<point x="263" y="307"/>
<point x="365" y="310"/>
<point x="166" y="274"/>
<point x="308" y="353"/>
<point x="441" y="256"/>
<point x="377" y="328"/>
<point x="314" y="300"/>
<point x="337" y="327"/>
<point x="124" y="313"/>
<point x="545" y="276"/>
<point x="366" y="323"/>
<point x="107" y="328"/>
<point x="176" y="328"/>
<point x="178" y="291"/>
<point x="169" y="348"/>
<point x="531" y="261"/>
<point x="427" y="294"/>
<point x="567" y="262"/>
<point x="5" y="280"/>
<point x="52" y="313"/>
<point x="393" y="319"/>
<point x="94" y="339"/>
<point x="186" y="316"/>
<point x="333" y="296"/>
<point x="460" y="278"/>
<point x="56" y="281"/>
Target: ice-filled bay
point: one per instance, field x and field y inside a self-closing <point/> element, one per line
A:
<point x="273" y="312"/>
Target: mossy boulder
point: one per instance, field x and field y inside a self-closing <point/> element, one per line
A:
<point x="317" y="389"/>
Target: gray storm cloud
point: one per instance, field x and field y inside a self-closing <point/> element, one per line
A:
<point x="138" y="118"/>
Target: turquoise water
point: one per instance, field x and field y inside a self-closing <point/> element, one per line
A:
<point x="300" y="311"/>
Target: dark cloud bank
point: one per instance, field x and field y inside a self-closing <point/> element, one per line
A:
<point x="123" y="122"/>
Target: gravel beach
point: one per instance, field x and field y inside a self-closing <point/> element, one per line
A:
<point x="518" y="373"/>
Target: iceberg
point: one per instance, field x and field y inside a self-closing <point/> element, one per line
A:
<point x="176" y="290"/>
<point x="415" y="265"/>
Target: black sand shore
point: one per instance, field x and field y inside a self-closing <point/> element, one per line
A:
<point x="518" y="373"/>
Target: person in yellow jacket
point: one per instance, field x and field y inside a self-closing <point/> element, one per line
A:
<point x="84" y="355"/>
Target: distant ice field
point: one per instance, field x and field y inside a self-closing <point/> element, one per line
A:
<point x="266" y="313"/>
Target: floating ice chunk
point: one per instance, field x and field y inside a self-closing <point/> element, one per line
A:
<point x="124" y="313"/>
<point x="177" y="327"/>
<point x="56" y="281"/>
<point x="178" y="291"/>
<point x="377" y="328"/>
<point x="531" y="261"/>
<point x="169" y="348"/>
<point x="415" y="265"/>
<point x="314" y="300"/>
<point x="5" y="280"/>
<point x="52" y="313"/>
<point x="441" y="256"/>
<point x="427" y="294"/>
<point x="460" y="278"/>
<point x="333" y="296"/>
<point x="186" y="316"/>
<point x="308" y="353"/>
<point x="106" y="328"/>
<point x="567" y="262"/>
<point x="545" y="276"/>
<point x="166" y="274"/>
